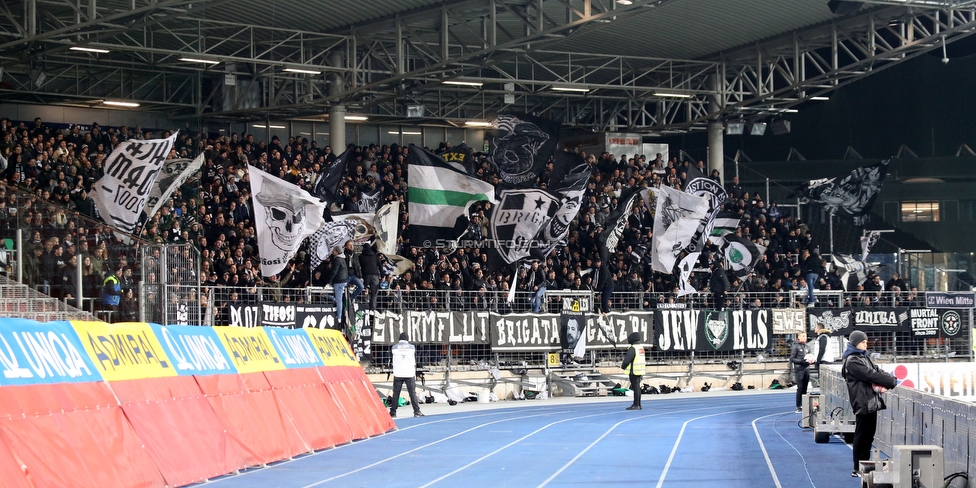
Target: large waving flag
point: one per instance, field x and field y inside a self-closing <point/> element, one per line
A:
<point x="130" y="172"/>
<point x="701" y="185"/>
<point x="284" y="215"/>
<point x="568" y="183"/>
<point x="439" y="194"/>
<point x="852" y="195"/>
<point x="616" y="222"/>
<point x="724" y="224"/>
<point x="520" y="145"/>
<point x="356" y="227"/>
<point x="676" y="219"/>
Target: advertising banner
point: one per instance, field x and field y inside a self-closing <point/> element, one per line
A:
<point x="35" y="352"/>
<point x="124" y="351"/>
<point x="332" y="347"/>
<point x="950" y="299"/>
<point x="294" y="347"/>
<point x="194" y="350"/>
<point x="249" y="349"/>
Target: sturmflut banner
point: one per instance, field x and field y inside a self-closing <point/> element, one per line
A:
<point x="130" y="173"/>
<point x="432" y="327"/>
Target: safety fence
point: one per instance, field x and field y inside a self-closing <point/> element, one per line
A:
<point x="932" y="405"/>
<point x="135" y="404"/>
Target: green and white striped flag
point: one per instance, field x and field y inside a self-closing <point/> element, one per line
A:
<point x="438" y="196"/>
<point x="724" y="224"/>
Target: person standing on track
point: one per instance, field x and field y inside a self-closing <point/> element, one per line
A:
<point x="404" y="371"/>
<point x="634" y="366"/>
<point x="865" y="383"/>
<point x="801" y="360"/>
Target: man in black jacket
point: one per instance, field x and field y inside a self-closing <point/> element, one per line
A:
<point x="338" y="276"/>
<point x="865" y="383"/>
<point x="800" y="359"/>
<point x="718" y="284"/>
<point x="369" y="265"/>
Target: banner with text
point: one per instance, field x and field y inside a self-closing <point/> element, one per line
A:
<point x="194" y="350"/>
<point x="37" y="352"/>
<point x="249" y="349"/>
<point x="124" y="351"/>
<point x="843" y="321"/>
<point x="712" y="330"/>
<point x="432" y="327"/>
<point x="332" y="347"/>
<point x="294" y="347"/>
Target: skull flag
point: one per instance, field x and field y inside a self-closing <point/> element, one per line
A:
<point x="284" y="216"/>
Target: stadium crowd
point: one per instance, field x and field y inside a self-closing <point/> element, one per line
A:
<point x="56" y="170"/>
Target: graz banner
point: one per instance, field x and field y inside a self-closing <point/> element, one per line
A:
<point x="432" y="327"/>
<point x="618" y="326"/>
<point x="712" y="330"/>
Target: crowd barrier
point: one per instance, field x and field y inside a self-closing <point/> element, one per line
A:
<point x="137" y="404"/>
<point x="932" y="405"/>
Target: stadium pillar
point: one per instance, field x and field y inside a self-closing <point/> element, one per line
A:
<point x="337" y="112"/>
<point x="716" y="149"/>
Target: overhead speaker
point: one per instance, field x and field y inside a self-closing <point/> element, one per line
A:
<point x="735" y="128"/>
<point x="843" y="7"/>
<point x="780" y="127"/>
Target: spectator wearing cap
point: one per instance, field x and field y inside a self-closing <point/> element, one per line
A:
<point x="865" y="384"/>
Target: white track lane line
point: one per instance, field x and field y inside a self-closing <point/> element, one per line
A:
<point x="377" y="463"/>
<point x="510" y="444"/>
<point x="611" y="429"/>
<point x="667" y="466"/>
<point x="769" y="463"/>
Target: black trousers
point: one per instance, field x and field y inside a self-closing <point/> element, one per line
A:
<point x="718" y="300"/>
<point x="411" y="383"/>
<point x="802" y="380"/>
<point x="373" y="285"/>
<point x="864" y="431"/>
<point x="635" y="384"/>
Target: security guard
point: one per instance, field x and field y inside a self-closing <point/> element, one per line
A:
<point x="112" y="291"/>
<point x="634" y="366"/>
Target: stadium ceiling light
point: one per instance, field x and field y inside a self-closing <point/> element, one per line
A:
<point x="89" y="49"/>
<point x="199" y="60"/>
<point x="357" y="118"/>
<point x="625" y="2"/>
<point x="462" y="83"/>
<point x="575" y="89"/>
<point x="820" y="99"/>
<point x="303" y="71"/>
<point x="115" y="103"/>
<point x="477" y="123"/>
<point x="671" y="95"/>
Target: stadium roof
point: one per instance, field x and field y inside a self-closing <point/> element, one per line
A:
<point x="651" y="66"/>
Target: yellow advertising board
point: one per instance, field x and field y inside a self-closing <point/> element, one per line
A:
<point x="332" y="346"/>
<point x="249" y="348"/>
<point x="124" y="351"/>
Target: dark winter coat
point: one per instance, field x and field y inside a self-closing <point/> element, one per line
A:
<point x="861" y="375"/>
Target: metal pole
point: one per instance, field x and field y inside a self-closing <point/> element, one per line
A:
<point x="79" y="298"/>
<point x="767" y="190"/>
<point x="20" y="255"/>
<point x="831" y="219"/>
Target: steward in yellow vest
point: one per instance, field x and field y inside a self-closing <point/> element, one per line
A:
<point x="634" y="365"/>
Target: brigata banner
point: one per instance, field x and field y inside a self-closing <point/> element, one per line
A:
<point x="332" y="347"/>
<point x="249" y="349"/>
<point x="950" y="299"/>
<point x="712" y="330"/>
<point x="525" y="331"/>
<point x="124" y="351"/>
<point x="294" y="347"/>
<point x="34" y="353"/>
<point x="194" y="350"/>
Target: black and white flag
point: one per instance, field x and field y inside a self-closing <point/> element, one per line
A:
<point x="174" y="173"/>
<point x="741" y="254"/>
<point x="520" y="146"/>
<point x="852" y="195"/>
<point x="328" y="183"/>
<point x="676" y="218"/>
<point x="568" y="182"/>
<point x="705" y="187"/>
<point x="616" y="222"/>
<point x="685" y="268"/>
<point x="369" y="201"/>
<point x="130" y="172"/>
<point x="724" y="224"/>
<point x="355" y="227"/>
<point x="850" y="267"/>
<point x="284" y="215"/>
<point x="518" y="218"/>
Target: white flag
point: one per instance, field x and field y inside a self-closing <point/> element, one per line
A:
<point x="686" y="266"/>
<point x="130" y="172"/>
<point x="676" y="220"/>
<point x="284" y="216"/>
<point x="172" y="175"/>
<point x="386" y="222"/>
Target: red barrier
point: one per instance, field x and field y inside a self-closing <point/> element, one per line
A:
<point x="10" y="472"/>
<point x="357" y="399"/>
<point x="366" y="393"/>
<point x="311" y="406"/>
<point x="179" y="428"/>
<point x="73" y="434"/>
<point x="249" y="412"/>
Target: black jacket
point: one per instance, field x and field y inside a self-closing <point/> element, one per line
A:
<point x="861" y="375"/>
<point x="368" y="262"/>
<point x="339" y="272"/>
<point x="798" y="356"/>
<point x="719" y="282"/>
